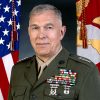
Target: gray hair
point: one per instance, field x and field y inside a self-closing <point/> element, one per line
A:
<point x="45" y="7"/>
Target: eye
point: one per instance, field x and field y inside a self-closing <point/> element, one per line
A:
<point x="49" y="27"/>
<point x="35" y="28"/>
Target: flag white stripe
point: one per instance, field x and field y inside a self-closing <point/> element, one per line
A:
<point x="8" y="63"/>
<point x="90" y="53"/>
<point x="93" y="32"/>
<point x="1" y="97"/>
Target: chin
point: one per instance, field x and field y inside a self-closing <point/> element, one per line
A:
<point x="42" y="52"/>
<point x="43" y="55"/>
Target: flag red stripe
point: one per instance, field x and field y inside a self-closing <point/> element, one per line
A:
<point x="15" y="56"/>
<point x="98" y="65"/>
<point x="4" y="84"/>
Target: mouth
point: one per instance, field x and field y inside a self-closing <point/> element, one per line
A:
<point x="42" y="44"/>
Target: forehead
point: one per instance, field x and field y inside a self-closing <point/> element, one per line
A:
<point x="44" y="14"/>
<point x="44" y="17"/>
<point x="36" y="13"/>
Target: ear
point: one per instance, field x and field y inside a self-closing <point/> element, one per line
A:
<point x="63" y="30"/>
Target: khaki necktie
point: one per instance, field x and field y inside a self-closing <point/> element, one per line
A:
<point x="40" y="71"/>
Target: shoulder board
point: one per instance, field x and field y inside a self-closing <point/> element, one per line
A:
<point x="80" y="59"/>
<point x="25" y="59"/>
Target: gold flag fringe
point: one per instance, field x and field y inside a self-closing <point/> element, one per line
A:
<point x="14" y="35"/>
<point x="83" y="30"/>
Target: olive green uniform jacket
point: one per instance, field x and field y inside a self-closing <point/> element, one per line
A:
<point x="26" y="86"/>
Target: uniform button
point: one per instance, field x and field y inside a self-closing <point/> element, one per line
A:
<point x="61" y="62"/>
<point x="33" y="97"/>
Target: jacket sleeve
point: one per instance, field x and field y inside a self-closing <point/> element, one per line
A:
<point x="90" y="89"/>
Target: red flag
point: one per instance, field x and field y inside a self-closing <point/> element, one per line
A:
<point x="91" y="21"/>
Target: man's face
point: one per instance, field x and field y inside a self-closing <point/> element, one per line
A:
<point x="46" y="33"/>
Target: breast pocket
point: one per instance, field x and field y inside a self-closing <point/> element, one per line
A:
<point x="58" y="94"/>
<point x="18" y="93"/>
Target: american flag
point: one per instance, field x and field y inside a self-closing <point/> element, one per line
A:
<point x="9" y="41"/>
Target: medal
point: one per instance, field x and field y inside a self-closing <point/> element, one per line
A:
<point x="66" y="89"/>
<point x="53" y="90"/>
<point x="66" y="78"/>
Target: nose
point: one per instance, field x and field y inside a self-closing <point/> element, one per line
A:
<point x="42" y="33"/>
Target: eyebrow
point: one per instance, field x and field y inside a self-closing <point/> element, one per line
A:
<point x="32" y="25"/>
<point x="48" y="24"/>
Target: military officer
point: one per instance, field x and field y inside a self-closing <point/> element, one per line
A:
<point x="53" y="73"/>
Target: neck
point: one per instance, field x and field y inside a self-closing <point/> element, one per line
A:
<point x="44" y="58"/>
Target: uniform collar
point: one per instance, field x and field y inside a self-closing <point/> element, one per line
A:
<point x="42" y="64"/>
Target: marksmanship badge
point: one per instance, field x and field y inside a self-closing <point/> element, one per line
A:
<point x="66" y="78"/>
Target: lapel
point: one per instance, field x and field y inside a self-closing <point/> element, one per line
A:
<point x="31" y="72"/>
<point x="53" y="68"/>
